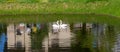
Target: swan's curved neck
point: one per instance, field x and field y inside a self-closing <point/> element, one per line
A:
<point x="57" y="22"/>
<point x="60" y="22"/>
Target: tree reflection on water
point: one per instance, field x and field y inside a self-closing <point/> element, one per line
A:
<point x="86" y="37"/>
<point x="99" y="38"/>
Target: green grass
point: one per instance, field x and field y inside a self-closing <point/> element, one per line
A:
<point x="76" y="1"/>
<point x="32" y="1"/>
<point x="21" y="1"/>
<point x="110" y="7"/>
<point x="51" y="11"/>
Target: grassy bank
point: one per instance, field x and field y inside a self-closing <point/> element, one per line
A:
<point x="100" y="7"/>
<point x="71" y="18"/>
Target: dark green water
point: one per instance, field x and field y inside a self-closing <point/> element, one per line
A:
<point x="84" y="37"/>
<point x="83" y="33"/>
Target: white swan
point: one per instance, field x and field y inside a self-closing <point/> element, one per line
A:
<point x="62" y="26"/>
<point x="22" y="24"/>
<point x="59" y="25"/>
<point x="55" y="26"/>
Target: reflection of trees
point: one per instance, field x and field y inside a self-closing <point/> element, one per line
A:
<point x="83" y="40"/>
<point x="38" y="37"/>
<point x="107" y="39"/>
<point x="3" y="28"/>
<point x="111" y="37"/>
<point x="100" y="39"/>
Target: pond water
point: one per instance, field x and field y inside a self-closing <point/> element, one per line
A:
<point x="59" y="36"/>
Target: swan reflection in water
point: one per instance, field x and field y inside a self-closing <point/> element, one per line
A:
<point x="57" y="26"/>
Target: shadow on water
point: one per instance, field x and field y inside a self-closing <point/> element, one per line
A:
<point x="58" y="37"/>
